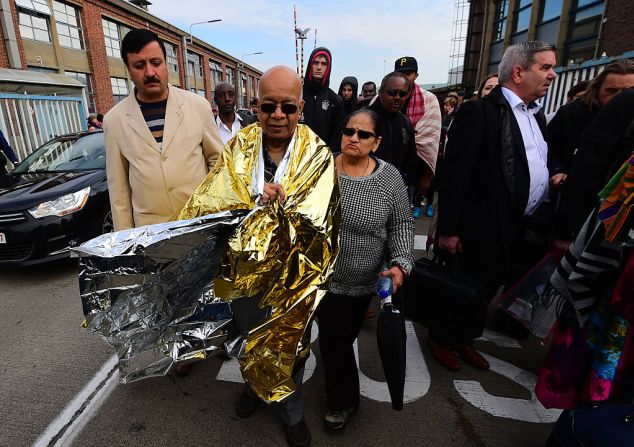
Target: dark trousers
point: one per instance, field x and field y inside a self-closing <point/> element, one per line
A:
<point x="291" y="411"/>
<point x="429" y="196"/>
<point x="340" y="318"/>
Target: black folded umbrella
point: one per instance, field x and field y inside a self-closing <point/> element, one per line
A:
<point x="391" y="337"/>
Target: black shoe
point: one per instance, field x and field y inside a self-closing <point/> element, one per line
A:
<point x="247" y="405"/>
<point x="183" y="369"/>
<point x="337" y="419"/>
<point x="298" y="435"/>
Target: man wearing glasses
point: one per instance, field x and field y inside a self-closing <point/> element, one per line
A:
<point x="423" y="110"/>
<point x="397" y="144"/>
<point x="286" y="175"/>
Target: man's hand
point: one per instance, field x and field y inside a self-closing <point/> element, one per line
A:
<point x="397" y="277"/>
<point x="450" y="244"/>
<point x="557" y="180"/>
<point x="273" y="191"/>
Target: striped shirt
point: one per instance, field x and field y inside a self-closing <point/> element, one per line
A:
<point x="154" y="115"/>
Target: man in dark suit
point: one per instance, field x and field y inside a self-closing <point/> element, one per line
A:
<point x="495" y="178"/>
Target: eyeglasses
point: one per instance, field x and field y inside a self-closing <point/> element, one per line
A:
<point x="287" y="108"/>
<point x="363" y="134"/>
<point x="393" y="93"/>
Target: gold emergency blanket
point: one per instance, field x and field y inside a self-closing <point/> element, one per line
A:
<point x="281" y="256"/>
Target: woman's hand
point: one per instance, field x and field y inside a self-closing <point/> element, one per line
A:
<point x="273" y="191"/>
<point x="397" y="277"/>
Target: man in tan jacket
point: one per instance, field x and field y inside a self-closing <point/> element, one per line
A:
<point x="160" y="141"/>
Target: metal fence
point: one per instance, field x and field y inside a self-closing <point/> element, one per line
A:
<point x="570" y="75"/>
<point x="29" y="121"/>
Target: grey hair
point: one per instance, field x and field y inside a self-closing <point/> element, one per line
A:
<point x="520" y="55"/>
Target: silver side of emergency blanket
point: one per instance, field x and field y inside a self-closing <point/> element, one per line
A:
<point x="149" y="292"/>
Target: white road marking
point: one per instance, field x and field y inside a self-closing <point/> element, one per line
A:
<point x="83" y="407"/>
<point x="499" y="339"/>
<point x="420" y="242"/>
<point x="417" y="378"/>
<point x="528" y="410"/>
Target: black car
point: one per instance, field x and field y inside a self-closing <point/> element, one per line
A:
<point x="55" y="199"/>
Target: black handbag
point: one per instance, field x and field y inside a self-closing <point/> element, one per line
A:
<point x="438" y="286"/>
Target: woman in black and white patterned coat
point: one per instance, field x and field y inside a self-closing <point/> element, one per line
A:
<point x="377" y="231"/>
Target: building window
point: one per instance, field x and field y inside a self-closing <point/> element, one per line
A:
<point x="243" y="88"/>
<point x="120" y="89"/>
<point x="113" y="34"/>
<point x="522" y="16"/>
<point x="550" y="9"/>
<point x="35" y="5"/>
<point x="85" y="79"/>
<point x="585" y="23"/>
<point x="231" y="75"/>
<point x="172" y="57"/>
<point x="34" y="25"/>
<point x="252" y="86"/>
<point x="194" y="65"/>
<point x="69" y="30"/>
<point x="215" y="71"/>
<point x="499" y="23"/>
<point x="200" y="92"/>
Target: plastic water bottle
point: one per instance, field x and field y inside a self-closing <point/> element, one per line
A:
<point x="384" y="290"/>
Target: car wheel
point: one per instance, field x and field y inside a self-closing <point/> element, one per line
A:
<point x="107" y="225"/>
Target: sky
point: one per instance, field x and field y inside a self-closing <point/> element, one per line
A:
<point x="365" y="37"/>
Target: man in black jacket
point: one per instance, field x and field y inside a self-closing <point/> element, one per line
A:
<point x="397" y="143"/>
<point x="348" y="91"/>
<point x="572" y="119"/>
<point x="495" y="176"/>
<point x="323" y="108"/>
<point x="604" y="147"/>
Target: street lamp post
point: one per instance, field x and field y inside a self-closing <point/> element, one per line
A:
<point x="184" y="46"/>
<point x="240" y="65"/>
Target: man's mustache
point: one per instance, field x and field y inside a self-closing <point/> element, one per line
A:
<point x="151" y="80"/>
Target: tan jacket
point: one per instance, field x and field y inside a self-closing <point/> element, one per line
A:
<point x="148" y="186"/>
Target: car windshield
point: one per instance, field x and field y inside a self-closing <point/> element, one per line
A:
<point x="67" y="154"/>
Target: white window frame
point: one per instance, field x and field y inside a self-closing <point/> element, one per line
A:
<point x="28" y="29"/>
<point x="63" y="13"/>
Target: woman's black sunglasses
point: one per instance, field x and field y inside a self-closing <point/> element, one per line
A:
<point x="363" y="134"/>
<point x="287" y="108"/>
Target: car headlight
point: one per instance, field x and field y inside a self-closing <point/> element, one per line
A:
<point x="63" y="205"/>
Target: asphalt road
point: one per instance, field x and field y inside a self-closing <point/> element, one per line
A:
<point x="54" y="387"/>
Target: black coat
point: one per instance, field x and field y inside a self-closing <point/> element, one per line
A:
<point x="350" y="105"/>
<point x="604" y="147"/>
<point x="564" y="133"/>
<point x="397" y="144"/>
<point x="485" y="185"/>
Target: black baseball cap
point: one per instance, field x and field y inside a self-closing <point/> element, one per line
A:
<point x="406" y="63"/>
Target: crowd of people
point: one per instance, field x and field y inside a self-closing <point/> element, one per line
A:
<point x="512" y="185"/>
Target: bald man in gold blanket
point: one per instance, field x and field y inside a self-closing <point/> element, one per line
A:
<point x="281" y="256"/>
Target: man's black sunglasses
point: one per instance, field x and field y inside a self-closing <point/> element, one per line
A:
<point x="363" y="134"/>
<point x="287" y="108"/>
<point x="393" y="93"/>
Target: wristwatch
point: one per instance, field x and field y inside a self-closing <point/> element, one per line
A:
<point x="400" y="267"/>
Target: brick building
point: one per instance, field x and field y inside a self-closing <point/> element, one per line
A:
<point x="80" y="39"/>
<point x="582" y="30"/>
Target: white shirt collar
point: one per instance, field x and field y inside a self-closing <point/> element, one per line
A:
<point x="515" y="101"/>
<point x="238" y="118"/>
